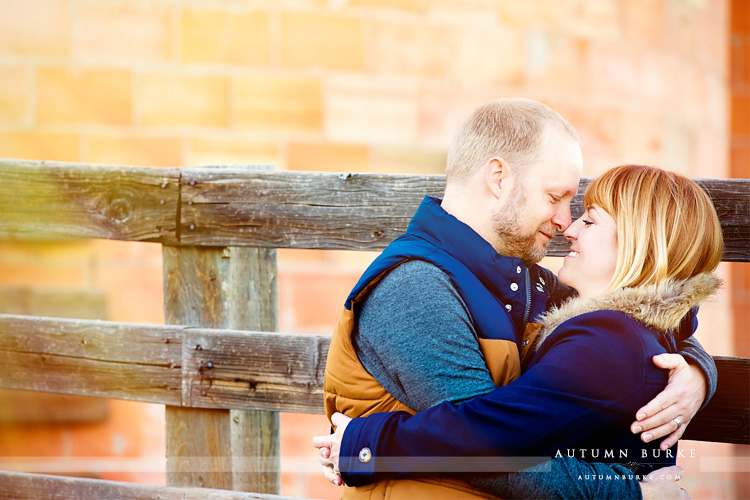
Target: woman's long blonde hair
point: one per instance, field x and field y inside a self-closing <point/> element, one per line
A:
<point x="667" y="226"/>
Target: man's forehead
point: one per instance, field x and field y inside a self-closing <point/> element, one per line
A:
<point x="558" y="179"/>
<point x="560" y="149"/>
<point x="565" y="187"/>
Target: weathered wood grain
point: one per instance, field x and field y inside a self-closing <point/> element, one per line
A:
<point x="299" y="210"/>
<point x="255" y="370"/>
<point x="20" y="486"/>
<point x="256" y="434"/>
<point x="145" y="363"/>
<point x="256" y="450"/>
<point x="238" y="370"/>
<point x="731" y="197"/>
<point x="50" y="199"/>
<point x="234" y="206"/>
<point x="194" y="289"/>
<point x="222" y="288"/>
<point x="93" y="358"/>
<point x="240" y="206"/>
<point x="205" y="434"/>
<point x="726" y="418"/>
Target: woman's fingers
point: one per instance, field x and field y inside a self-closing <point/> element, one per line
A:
<point x="340" y="420"/>
<point x="669" y="413"/>
<point x="329" y="445"/>
<point x="322" y="441"/>
<point x="331" y="476"/>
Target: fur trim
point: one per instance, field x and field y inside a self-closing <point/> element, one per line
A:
<point x="661" y="306"/>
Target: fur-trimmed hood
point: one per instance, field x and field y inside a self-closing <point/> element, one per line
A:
<point x="661" y="306"/>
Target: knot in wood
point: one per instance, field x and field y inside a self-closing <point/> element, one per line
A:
<point x="117" y="205"/>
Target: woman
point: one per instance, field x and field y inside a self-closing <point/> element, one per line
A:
<point x="641" y="257"/>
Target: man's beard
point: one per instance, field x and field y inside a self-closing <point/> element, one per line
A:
<point x="507" y="226"/>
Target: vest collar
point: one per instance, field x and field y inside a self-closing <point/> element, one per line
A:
<point x="505" y="277"/>
<point x="433" y="223"/>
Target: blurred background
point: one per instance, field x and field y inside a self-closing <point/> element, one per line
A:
<point x="345" y="86"/>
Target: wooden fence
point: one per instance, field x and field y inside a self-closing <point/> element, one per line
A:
<point x="217" y="365"/>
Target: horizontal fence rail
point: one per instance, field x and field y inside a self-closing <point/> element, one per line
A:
<point x="239" y="206"/>
<point x="206" y="368"/>
<point x="20" y="486"/>
<point x="48" y="199"/>
<point x="172" y="365"/>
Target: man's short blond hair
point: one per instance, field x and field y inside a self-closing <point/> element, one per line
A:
<point x="510" y="128"/>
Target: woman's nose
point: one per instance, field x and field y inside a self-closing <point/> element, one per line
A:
<point x="571" y="232"/>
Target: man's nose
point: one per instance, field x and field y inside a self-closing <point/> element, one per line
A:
<point x="562" y="219"/>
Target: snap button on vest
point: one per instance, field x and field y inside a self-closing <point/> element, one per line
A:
<point x="514" y="286"/>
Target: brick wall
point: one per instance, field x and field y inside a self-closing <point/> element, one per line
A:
<point x="335" y="85"/>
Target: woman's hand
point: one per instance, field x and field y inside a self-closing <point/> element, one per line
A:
<point x="330" y="447"/>
<point x="662" y="484"/>
<point x="674" y="407"/>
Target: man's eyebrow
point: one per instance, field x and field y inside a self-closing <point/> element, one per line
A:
<point x="561" y="191"/>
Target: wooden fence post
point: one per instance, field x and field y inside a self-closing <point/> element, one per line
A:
<point x="229" y="288"/>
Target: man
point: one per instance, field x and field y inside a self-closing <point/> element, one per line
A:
<point x="444" y="313"/>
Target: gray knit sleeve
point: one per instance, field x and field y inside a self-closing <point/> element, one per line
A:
<point x="414" y="334"/>
<point x="692" y="350"/>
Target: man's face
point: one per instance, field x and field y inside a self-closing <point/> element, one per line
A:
<point x="538" y="205"/>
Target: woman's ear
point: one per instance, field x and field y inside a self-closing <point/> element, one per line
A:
<point x="495" y="176"/>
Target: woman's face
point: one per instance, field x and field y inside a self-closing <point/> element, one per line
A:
<point x="590" y="265"/>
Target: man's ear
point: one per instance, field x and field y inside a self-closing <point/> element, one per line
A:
<point x="496" y="174"/>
